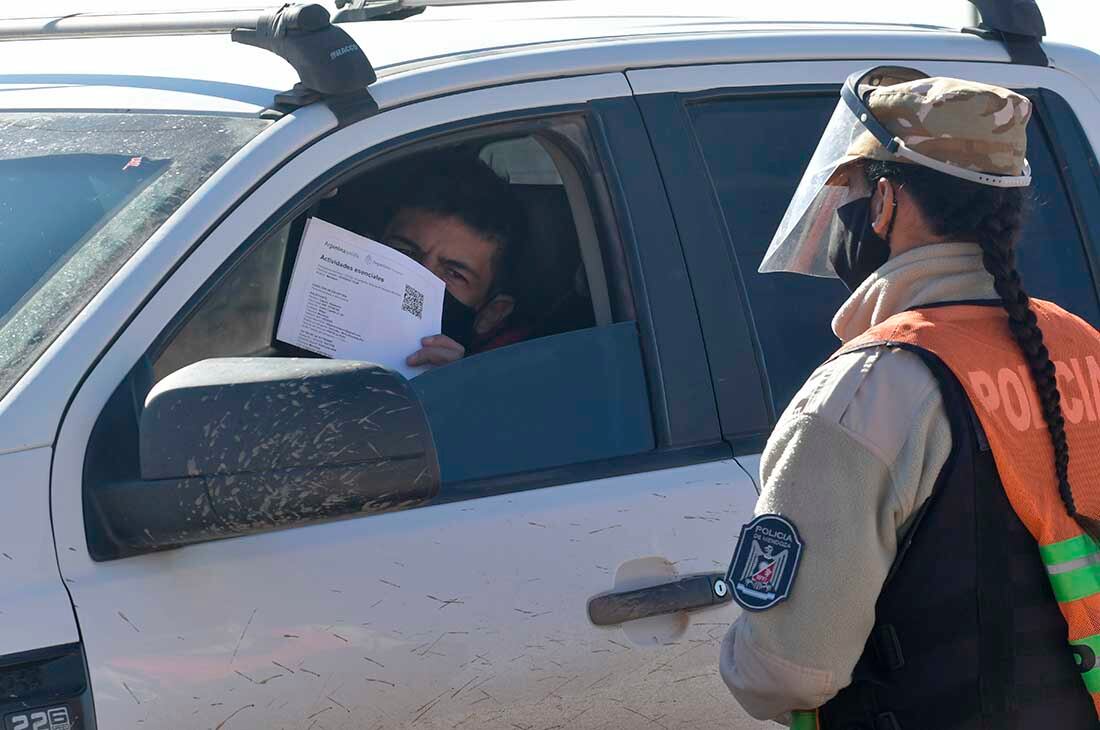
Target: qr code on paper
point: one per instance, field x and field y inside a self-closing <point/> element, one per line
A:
<point x="413" y="302"/>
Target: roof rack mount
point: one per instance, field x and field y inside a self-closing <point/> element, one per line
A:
<point x="326" y="58"/>
<point x="1018" y="24"/>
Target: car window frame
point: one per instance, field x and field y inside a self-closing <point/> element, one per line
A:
<point x="683" y="166"/>
<point x="672" y="448"/>
<point x="292" y="215"/>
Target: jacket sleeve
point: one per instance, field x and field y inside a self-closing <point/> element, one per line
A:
<point x="850" y="461"/>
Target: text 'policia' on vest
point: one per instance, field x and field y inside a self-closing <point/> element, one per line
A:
<point x="1005" y="389"/>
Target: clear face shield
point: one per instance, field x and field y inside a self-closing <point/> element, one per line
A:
<point x="832" y="180"/>
<point x="835" y="178"/>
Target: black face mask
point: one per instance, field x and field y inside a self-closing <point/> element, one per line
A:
<point x="458" y="320"/>
<point x="857" y="251"/>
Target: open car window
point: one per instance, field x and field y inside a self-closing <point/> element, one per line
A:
<point x="569" y="389"/>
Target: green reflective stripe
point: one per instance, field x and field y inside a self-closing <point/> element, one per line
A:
<point x="1075" y="584"/>
<point x="1073" y="566"/>
<point x="804" y="720"/>
<point x="1071" y="549"/>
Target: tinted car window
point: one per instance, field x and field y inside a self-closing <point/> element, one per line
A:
<point x="754" y="179"/>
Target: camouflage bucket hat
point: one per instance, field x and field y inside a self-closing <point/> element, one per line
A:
<point x="965" y="129"/>
<point x="951" y="125"/>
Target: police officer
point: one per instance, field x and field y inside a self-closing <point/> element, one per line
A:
<point x="924" y="551"/>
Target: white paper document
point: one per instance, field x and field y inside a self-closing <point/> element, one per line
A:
<point x="351" y="298"/>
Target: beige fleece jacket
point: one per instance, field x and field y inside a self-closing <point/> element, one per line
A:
<point x="854" y="455"/>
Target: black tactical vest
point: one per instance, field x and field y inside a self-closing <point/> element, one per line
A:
<point x="967" y="633"/>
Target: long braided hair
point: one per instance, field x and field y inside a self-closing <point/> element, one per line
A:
<point x="993" y="218"/>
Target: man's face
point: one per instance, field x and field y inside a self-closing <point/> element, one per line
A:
<point x="457" y="254"/>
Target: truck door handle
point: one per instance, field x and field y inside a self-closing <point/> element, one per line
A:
<point x="687" y="593"/>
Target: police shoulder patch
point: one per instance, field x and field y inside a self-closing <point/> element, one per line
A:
<point x="765" y="562"/>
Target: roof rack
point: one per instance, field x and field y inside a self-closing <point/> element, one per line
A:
<point x="85" y="25"/>
<point x="188" y="22"/>
<point x="1018" y="24"/>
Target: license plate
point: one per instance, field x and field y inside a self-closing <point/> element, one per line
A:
<point x="46" y="718"/>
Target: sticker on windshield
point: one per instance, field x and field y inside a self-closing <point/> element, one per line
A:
<point x="765" y="563"/>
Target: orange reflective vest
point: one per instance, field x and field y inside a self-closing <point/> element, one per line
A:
<point x="975" y="343"/>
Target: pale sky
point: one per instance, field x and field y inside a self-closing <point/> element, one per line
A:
<point x="1071" y="21"/>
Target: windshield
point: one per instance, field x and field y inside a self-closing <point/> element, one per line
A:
<point x="79" y="194"/>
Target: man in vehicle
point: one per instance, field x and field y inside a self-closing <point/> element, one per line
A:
<point x="461" y="221"/>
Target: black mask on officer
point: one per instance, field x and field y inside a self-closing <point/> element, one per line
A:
<point x="458" y="320"/>
<point x="855" y="250"/>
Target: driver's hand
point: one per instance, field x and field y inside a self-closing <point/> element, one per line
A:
<point x="437" y="350"/>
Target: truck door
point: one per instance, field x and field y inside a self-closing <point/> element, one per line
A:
<point x="583" y="461"/>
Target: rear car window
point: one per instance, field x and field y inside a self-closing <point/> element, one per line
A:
<point x="754" y="179"/>
<point x="79" y="194"/>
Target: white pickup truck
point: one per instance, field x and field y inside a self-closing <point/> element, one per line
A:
<point x="201" y="528"/>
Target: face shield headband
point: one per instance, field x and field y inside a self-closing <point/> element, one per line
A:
<point x="834" y="178"/>
<point x="851" y="95"/>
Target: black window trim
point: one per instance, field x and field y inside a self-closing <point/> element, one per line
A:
<point x="668" y="452"/>
<point x="681" y="397"/>
<point x="715" y="269"/>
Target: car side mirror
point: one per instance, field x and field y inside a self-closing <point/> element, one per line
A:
<point x="234" y="446"/>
